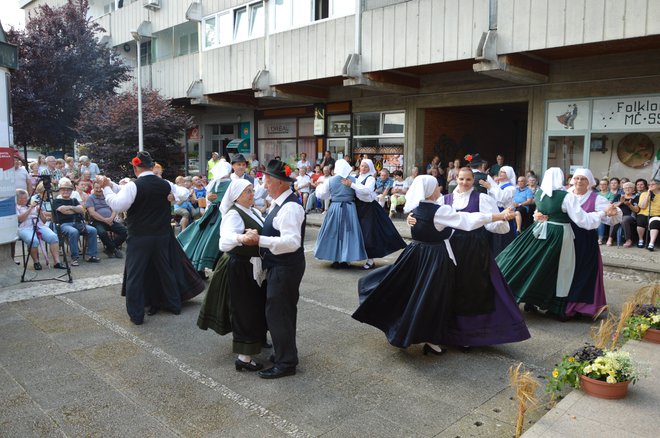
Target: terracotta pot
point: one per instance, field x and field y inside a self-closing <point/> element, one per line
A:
<point x="600" y="389"/>
<point x="652" y="335"/>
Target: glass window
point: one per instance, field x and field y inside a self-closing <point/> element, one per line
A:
<point x="282" y="14"/>
<point x="306" y="127"/>
<point x="321" y="9"/>
<point x="226" y="27"/>
<point x="393" y="123"/>
<point x="210" y="32"/>
<point x="257" y="23"/>
<point x="240" y="24"/>
<point x="162" y="45"/>
<point x="185" y="38"/>
<point x="339" y="125"/>
<point x="566" y="152"/>
<point x="367" y="123"/>
<point x="145" y="53"/>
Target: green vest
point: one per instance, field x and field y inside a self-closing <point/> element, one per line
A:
<point x="551" y="206"/>
<point x="246" y="251"/>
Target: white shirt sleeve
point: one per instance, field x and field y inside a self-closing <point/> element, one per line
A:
<point x="289" y="222"/>
<point x="365" y="192"/>
<point x="488" y="205"/>
<point x="259" y="190"/>
<point x="123" y="199"/>
<point x="231" y="226"/>
<point x="601" y="204"/>
<point x="180" y="193"/>
<point x="323" y="190"/>
<point x="447" y="216"/>
<point x="588" y="221"/>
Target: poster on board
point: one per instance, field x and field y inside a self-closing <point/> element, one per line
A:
<point x="568" y="115"/>
<point x="8" y="221"/>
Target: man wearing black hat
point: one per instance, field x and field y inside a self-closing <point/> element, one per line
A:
<point x="149" y="260"/>
<point x="239" y="165"/>
<point x="281" y="249"/>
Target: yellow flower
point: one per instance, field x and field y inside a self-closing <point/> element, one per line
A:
<point x="571" y="359"/>
<point x="555" y="373"/>
<point x="611" y="379"/>
<point x="587" y="369"/>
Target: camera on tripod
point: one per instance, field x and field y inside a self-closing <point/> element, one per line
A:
<point x="47" y="181"/>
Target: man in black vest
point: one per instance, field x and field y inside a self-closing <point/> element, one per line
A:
<point x="148" y="255"/>
<point x="281" y="248"/>
<point x="239" y="164"/>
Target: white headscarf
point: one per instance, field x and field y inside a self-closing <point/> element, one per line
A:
<point x="510" y="174"/>
<point x="342" y="168"/>
<point x="234" y="190"/>
<point x="583" y="171"/>
<point x="553" y="179"/>
<point x="372" y="169"/>
<point x="421" y="188"/>
<point x="221" y="170"/>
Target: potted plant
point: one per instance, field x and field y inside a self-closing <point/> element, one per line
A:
<point x="598" y="372"/>
<point x="644" y="323"/>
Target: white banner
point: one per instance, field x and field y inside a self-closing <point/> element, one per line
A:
<point x="628" y="114"/>
<point x="8" y="221"/>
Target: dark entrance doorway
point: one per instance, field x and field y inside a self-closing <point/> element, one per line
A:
<point x="488" y="130"/>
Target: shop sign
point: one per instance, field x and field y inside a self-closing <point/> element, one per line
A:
<point x="627" y="114"/>
<point x="193" y="133"/>
<point x="568" y="115"/>
<point x="277" y="128"/>
<point x="8" y="221"/>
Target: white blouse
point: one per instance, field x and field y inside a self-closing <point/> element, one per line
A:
<point x="232" y="225"/>
<point x="487" y="205"/>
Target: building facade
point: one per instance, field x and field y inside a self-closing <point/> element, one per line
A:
<point x="543" y="83"/>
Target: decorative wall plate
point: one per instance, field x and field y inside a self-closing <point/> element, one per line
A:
<point x="635" y="150"/>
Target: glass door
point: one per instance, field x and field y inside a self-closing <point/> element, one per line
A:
<point x="566" y="152"/>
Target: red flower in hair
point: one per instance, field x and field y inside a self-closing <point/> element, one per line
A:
<point x="287" y="170"/>
<point x="136" y="161"/>
<point x="468" y="158"/>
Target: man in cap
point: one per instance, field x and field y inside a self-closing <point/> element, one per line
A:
<point x="239" y="164"/>
<point x="148" y="256"/>
<point x="281" y="249"/>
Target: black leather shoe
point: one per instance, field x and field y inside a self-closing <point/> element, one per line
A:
<point x="137" y="321"/>
<point x="266" y="344"/>
<point x="271" y="358"/>
<point x="153" y="310"/>
<point x="466" y="348"/>
<point x="335" y="265"/>
<point x="530" y="308"/>
<point x="427" y="349"/>
<point x="276" y="373"/>
<point x="247" y="366"/>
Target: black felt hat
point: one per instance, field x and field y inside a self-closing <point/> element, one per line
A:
<point x="475" y="161"/>
<point x="238" y="158"/>
<point x="143" y="159"/>
<point x="280" y="170"/>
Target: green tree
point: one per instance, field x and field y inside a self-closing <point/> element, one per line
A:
<point x="61" y="65"/>
<point x="109" y="127"/>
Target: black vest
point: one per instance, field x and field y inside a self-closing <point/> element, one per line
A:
<point x="424" y="230"/>
<point x="287" y="259"/>
<point x="150" y="214"/>
<point x="246" y="251"/>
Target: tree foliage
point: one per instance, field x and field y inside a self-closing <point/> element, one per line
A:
<point x="61" y="65"/>
<point x="109" y="126"/>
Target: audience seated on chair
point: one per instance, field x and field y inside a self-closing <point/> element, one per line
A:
<point x="69" y="215"/>
<point x="106" y="223"/>
<point x="27" y="219"/>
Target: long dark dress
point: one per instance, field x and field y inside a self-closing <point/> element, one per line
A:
<point x="587" y="292"/>
<point x="379" y="234"/>
<point x="530" y="264"/>
<point x="234" y="301"/>
<point x="340" y="237"/>
<point x="200" y="239"/>
<point x="485" y="311"/>
<point x="410" y="300"/>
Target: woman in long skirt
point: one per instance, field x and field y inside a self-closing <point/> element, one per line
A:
<point x="541" y="263"/>
<point x="236" y="299"/>
<point x="485" y="312"/>
<point x="412" y="301"/>
<point x="340" y="236"/>
<point x="199" y="239"/>
<point x="378" y="232"/>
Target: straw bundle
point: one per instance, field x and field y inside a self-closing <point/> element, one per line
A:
<point x="525" y="387"/>
<point x="625" y="313"/>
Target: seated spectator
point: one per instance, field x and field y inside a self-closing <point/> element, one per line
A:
<point x="27" y="219"/>
<point x="199" y="188"/>
<point x="303" y="183"/>
<point x="533" y="183"/>
<point x="86" y="165"/>
<point x="383" y="187"/>
<point x="318" y="180"/>
<point x="628" y="204"/>
<point x="648" y="214"/>
<point x="442" y="182"/>
<point x="413" y="174"/>
<point x="398" y="192"/>
<point x="522" y="199"/>
<point x="158" y="170"/>
<point x="52" y="170"/>
<point x="105" y="220"/>
<point x="86" y="177"/>
<point x="69" y="216"/>
<point x="83" y="188"/>
<point x="641" y="186"/>
<point x="186" y="210"/>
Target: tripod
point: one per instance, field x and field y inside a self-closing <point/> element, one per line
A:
<point x="45" y="200"/>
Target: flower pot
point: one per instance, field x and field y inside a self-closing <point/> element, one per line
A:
<point x="600" y="389"/>
<point x="652" y="335"/>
